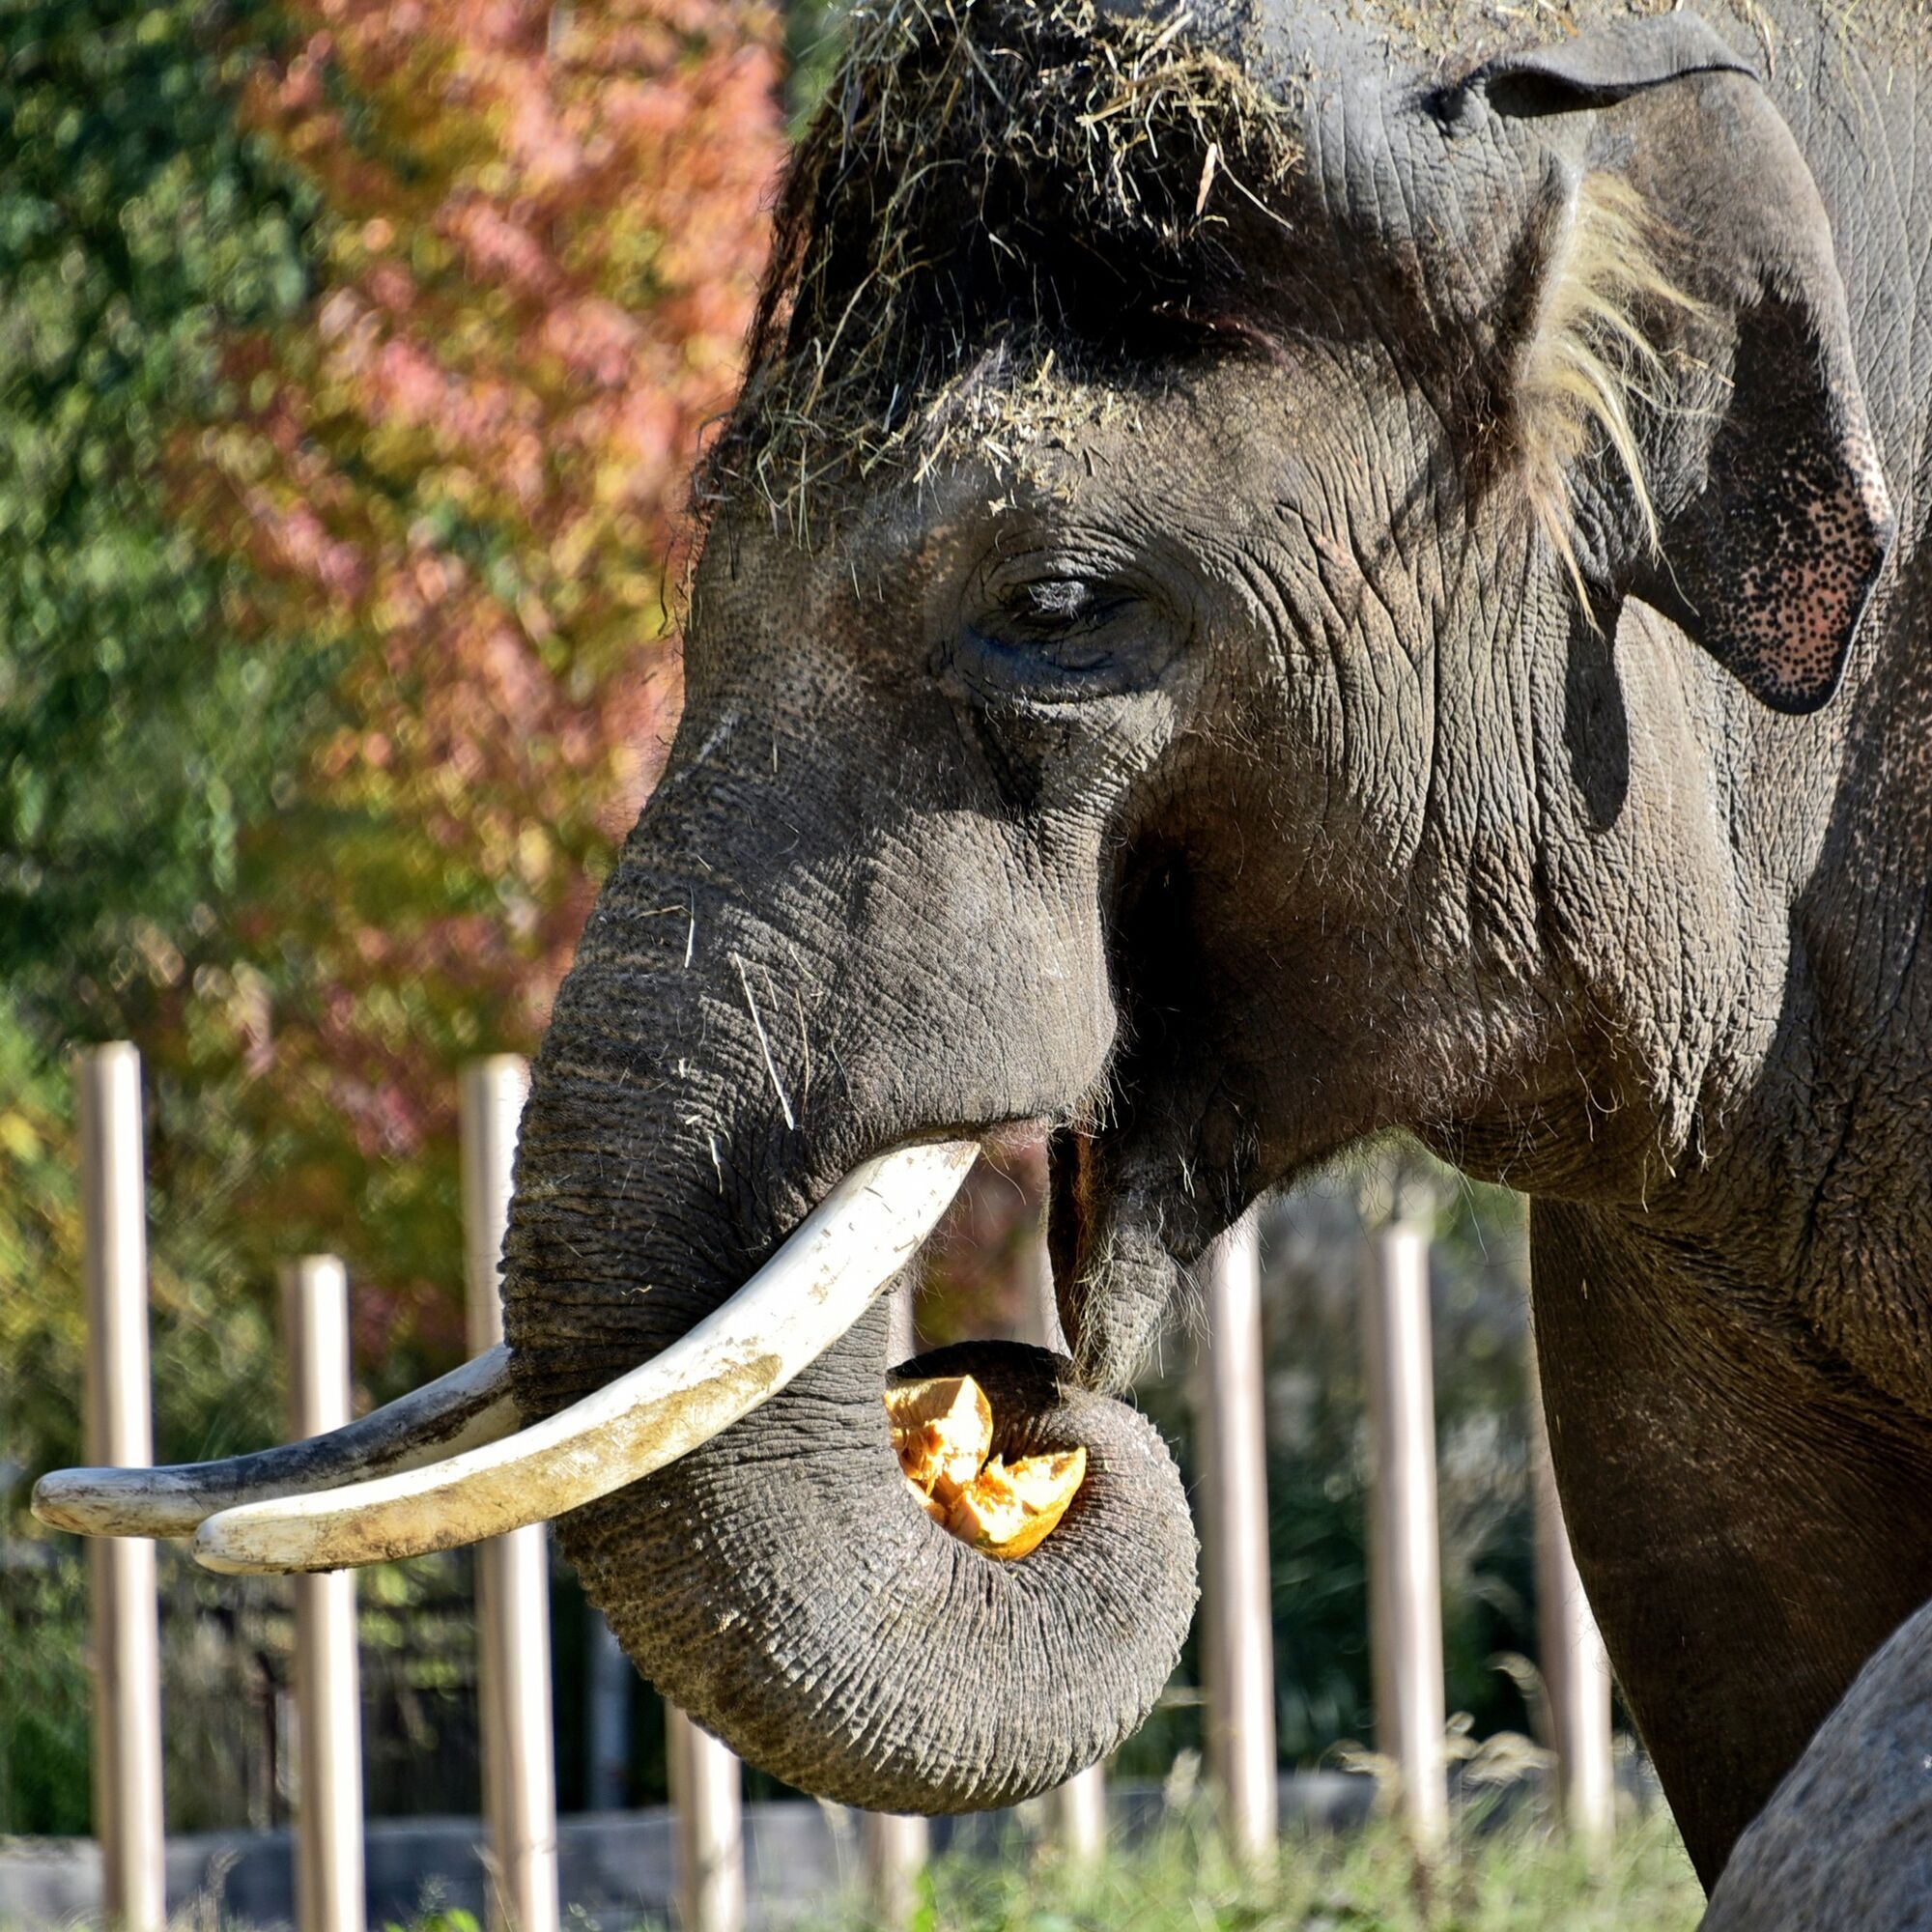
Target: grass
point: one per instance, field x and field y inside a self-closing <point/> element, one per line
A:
<point x="1513" y="1878"/>
<point x="1516" y="1877"/>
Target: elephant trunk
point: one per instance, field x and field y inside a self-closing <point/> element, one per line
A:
<point x="781" y="1583"/>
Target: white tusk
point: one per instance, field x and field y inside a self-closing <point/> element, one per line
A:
<point x="827" y="1274"/>
<point x="467" y="1407"/>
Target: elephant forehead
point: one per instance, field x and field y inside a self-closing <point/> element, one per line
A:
<point x="992" y="180"/>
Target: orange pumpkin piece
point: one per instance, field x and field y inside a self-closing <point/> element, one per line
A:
<point x="931" y="1505"/>
<point x="943" y="1431"/>
<point x="1007" y="1509"/>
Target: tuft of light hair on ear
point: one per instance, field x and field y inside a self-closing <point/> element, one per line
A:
<point x="1591" y="356"/>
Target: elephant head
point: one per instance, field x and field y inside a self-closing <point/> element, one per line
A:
<point x="1150" y="677"/>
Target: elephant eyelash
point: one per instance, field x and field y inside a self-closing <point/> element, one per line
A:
<point x="1063" y="606"/>
<point x="1060" y="599"/>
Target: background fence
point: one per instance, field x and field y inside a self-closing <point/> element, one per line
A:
<point x="258" y="1663"/>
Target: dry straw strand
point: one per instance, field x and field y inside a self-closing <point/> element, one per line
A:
<point x="917" y="236"/>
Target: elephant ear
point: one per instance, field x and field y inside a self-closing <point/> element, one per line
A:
<point x="1755" y="513"/>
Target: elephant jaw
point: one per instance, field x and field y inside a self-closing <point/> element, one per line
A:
<point x="1121" y="1228"/>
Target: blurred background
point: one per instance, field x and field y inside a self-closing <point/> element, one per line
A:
<point x="353" y="358"/>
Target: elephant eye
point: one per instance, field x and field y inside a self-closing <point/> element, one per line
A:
<point x="1060" y="637"/>
<point x="1044" y="620"/>
<point x="1067" y="627"/>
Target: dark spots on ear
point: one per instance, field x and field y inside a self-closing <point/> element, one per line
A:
<point x="1809" y="542"/>
<point x="1798" y="510"/>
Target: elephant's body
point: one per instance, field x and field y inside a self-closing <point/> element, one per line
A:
<point x="1736" y="1342"/>
<point x="1199" y="647"/>
<point x="1737" y="1363"/>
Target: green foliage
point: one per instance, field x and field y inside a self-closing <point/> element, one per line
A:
<point x="43" y="1716"/>
<point x="145" y="719"/>
<point x="141" y="726"/>
<point x="455" y="1919"/>
<point x="815" y="32"/>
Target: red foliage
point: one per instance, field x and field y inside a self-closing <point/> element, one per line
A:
<point x="464" y="479"/>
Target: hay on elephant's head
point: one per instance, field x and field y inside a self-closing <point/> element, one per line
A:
<point x="987" y="182"/>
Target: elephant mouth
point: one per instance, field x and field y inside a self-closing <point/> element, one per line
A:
<point x="449" y="1465"/>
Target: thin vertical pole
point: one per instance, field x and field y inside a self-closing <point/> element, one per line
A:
<point x="1236" y="1600"/>
<point x="120" y="1431"/>
<point x="894" y="1848"/>
<point x="1575" y="1668"/>
<point x="1077" y="1816"/>
<point x="328" y="1681"/>
<point x="513" y="1571"/>
<point x="704" y="1793"/>
<point x="1405" y="1563"/>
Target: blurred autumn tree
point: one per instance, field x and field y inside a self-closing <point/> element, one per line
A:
<point x="539" y="233"/>
<point x="354" y="359"/>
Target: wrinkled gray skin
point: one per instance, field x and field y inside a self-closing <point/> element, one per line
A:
<point x="1337" y="814"/>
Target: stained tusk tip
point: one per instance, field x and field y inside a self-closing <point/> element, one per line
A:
<point x="53" y="1504"/>
<point x="102" y="1502"/>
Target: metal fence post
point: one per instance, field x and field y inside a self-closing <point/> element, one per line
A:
<point x="1237" y="1601"/>
<point x="512" y="1571"/>
<point x="120" y="1430"/>
<point x="1405" y="1563"/>
<point x="328" y="1680"/>
<point x="710" y="1817"/>
<point x="1575" y="1669"/>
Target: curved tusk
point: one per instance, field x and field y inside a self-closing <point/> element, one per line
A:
<point x="818" y="1284"/>
<point x="464" y="1410"/>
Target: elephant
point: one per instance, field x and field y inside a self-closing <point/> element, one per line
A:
<point x="1282" y="572"/>
<point x="1847" y="1837"/>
